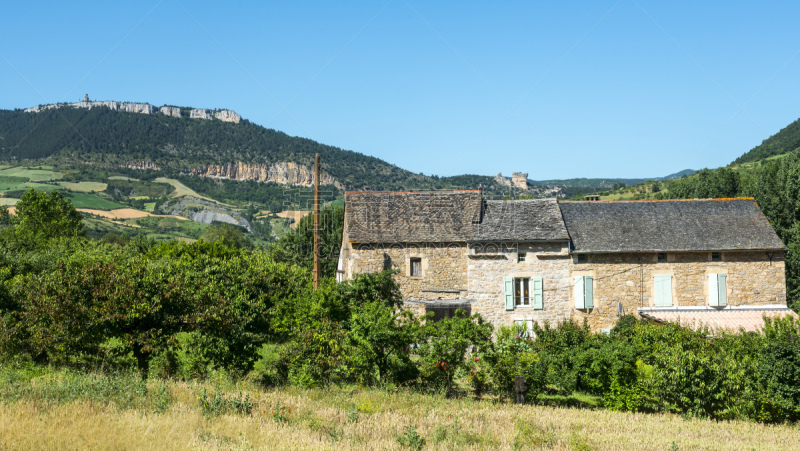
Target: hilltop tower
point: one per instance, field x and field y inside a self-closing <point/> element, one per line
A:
<point x="520" y="179"/>
<point x="86" y="97"/>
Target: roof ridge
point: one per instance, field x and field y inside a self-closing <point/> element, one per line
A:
<point x="653" y="200"/>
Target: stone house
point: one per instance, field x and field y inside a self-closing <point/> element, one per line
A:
<point x="525" y="261"/>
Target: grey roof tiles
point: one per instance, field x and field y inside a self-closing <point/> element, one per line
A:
<point x="593" y="227"/>
<point x="673" y="225"/>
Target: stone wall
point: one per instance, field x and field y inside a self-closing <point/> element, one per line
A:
<point x="752" y="279"/>
<point x="444" y="271"/>
<point x="489" y="264"/>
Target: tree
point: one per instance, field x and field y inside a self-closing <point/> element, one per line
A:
<point x="297" y="246"/>
<point x="43" y="216"/>
<point x="227" y="234"/>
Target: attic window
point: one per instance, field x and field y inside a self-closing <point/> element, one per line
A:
<point x="416" y="267"/>
<point x="522" y="257"/>
<point x="582" y="258"/>
<point x="716" y="257"/>
<point x="662" y="257"/>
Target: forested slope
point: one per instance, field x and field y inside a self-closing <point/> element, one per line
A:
<point x="786" y="140"/>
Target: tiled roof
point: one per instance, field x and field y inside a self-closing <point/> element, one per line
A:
<point x="674" y="225"/>
<point x="749" y="318"/>
<point x="449" y="216"/>
<point x="521" y="220"/>
<point x="417" y="216"/>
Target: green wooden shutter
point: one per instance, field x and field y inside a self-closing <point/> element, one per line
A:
<point x="722" y="289"/>
<point x="663" y="289"/>
<point x="537" y="293"/>
<point x="713" y="290"/>
<point x="579" y="292"/>
<point x="509" y="284"/>
<point x="588" y="298"/>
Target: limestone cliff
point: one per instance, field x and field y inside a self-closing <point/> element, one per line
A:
<point x="228" y="116"/>
<point x="170" y="111"/>
<point x="287" y="173"/>
<point x="142" y="165"/>
<point x="144" y="108"/>
<point x="200" y="113"/>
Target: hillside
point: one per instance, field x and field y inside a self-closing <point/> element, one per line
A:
<point x="185" y="145"/>
<point x="786" y="140"/>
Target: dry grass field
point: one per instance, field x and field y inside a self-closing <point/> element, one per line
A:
<point x="126" y="213"/>
<point x="363" y="419"/>
<point x="84" y="187"/>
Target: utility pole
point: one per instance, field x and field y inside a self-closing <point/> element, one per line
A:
<point x="316" y="223"/>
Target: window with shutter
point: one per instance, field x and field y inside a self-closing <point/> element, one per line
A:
<point x="663" y="290"/>
<point x="588" y="296"/>
<point x="538" y="298"/>
<point x="717" y="290"/>
<point x="508" y="283"/>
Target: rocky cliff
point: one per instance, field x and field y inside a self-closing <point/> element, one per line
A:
<point x="228" y="116"/>
<point x="144" y="108"/>
<point x="283" y="173"/>
<point x="170" y="111"/>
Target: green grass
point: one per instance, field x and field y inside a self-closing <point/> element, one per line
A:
<point x="119" y="177"/>
<point x="8" y="201"/>
<point x="12" y="186"/>
<point x="34" y="174"/>
<point x="149" y="206"/>
<point x="85" y="200"/>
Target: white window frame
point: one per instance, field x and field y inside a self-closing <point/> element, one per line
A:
<point x="522" y="257"/>
<point x="520" y="296"/>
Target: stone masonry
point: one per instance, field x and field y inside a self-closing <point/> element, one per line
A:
<point x="753" y="278"/>
<point x="487" y="269"/>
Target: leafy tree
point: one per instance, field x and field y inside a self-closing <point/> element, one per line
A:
<point x="227" y="234"/>
<point x="297" y="246"/>
<point x="42" y="216"/>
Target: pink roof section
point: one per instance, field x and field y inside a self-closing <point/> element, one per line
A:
<point x="749" y="318"/>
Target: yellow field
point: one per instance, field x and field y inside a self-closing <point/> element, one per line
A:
<point x="294" y="215"/>
<point x="84" y="187"/>
<point x="183" y="190"/>
<point x="126" y="213"/>
<point x="8" y="201"/>
<point x="339" y="419"/>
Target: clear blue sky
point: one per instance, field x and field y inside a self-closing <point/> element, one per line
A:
<point x="628" y="88"/>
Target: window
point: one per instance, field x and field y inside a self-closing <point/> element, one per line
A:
<point x="522" y="257"/>
<point x="582" y="258"/>
<point x="717" y="290"/>
<point x="584" y="298"/>
<point x="524" y="327"/>
<point x="663" y="289"/>
<point x="523" y="292"/>
<point x="716" y="256"/>
<point x="522" y="295"/>
<point x="416" y="267"/>
<point x="662" y="257"/>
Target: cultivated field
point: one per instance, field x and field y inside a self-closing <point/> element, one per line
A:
<point x="126" y="213"/>
<point x="172" y="415"/>
<point x="35" y="175"/>
<point x="183" y="190"/>
<point x="84" y="187"/>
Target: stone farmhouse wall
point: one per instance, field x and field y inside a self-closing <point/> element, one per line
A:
<point x="753" y="278"/>
<point x="444" y="267"/>
<point x="488" y="265"/>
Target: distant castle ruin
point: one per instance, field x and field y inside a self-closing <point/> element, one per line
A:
<point x="520" y="179"/>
